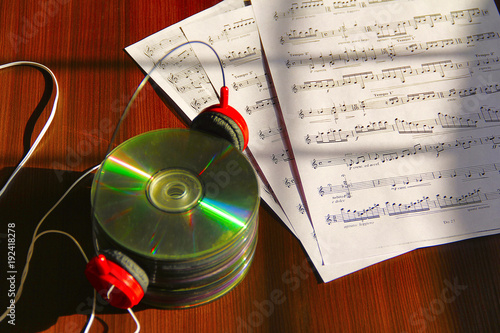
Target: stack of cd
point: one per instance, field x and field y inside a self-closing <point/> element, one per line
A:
<point x="184" y="206"/>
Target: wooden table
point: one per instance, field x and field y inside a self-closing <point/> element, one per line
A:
<point x="449" y="288"/>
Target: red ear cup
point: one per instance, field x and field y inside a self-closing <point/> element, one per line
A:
<point x="129" y="265"/>
<point x="224" y="121"/>
<point x="115" y="283"/>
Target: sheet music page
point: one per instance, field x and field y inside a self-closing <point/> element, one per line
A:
<point x="392" y="109"/>
<point x="181" y="75"/>
<point x="235" y="37"/>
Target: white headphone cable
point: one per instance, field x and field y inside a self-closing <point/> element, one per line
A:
<point x="45" y="127"/>
<point x="35" y="234"/>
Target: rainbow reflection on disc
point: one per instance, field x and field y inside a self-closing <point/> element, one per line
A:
<point x="184" y="206"/>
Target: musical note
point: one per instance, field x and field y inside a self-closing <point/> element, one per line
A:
<point x="389" y="156"/>
<point x="150" y="50"/>
<point x="305" y="8"/>
<point x="301" y="209"/>
<point x="490" y="115"/>
<point x="267" y="133"/>
<point x="193" y="85"/>
<point x="192" y="78"/>
<point x="345" y="4"/>
<point x="202" y="102"/>
<point x="425" y="205"/>
<point x="371" y="127"/>
<point x="413" y="207"/>
<point x="410" y="127"/>
<point x="232" y="30"/>
<point x="257" y="80"/>
<point x="317" y="7"/>
<point x="467" y="14"/>
<point x="184" y="75"/>
<point x="361" y="215"/>
<point x="332" y="112"/>
<point x="164" y="46"/>
<point x="391" y="29"/>
<point x="405" y="127"/>
<point x="237" y="58"/>
<point x="171" y="41"/>
<point x="175" y="60"/>
<point x="188" y="73"/>
<point x="448" y="121"/>
<point x="492" y="89"/>
<point x="289" y="182"/>
<point x="466" y="172"/>
<point x="333" y="135"/>
<point x="401" y="73"/>
<point x="382" y="30"/>
<point x="261" y="105"/>
<point x="327" y="112"/>
<point x="450" y="201"/>
<point x="283" y="157"/>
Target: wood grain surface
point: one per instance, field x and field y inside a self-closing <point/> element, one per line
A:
<point x="448" y="288"/>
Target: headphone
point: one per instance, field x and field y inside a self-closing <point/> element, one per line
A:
<point x="116" y="277"/>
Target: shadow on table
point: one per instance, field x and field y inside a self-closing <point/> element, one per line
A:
<point x="55" y="284"/>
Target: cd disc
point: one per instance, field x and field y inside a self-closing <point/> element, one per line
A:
<point x="183" y="204"/>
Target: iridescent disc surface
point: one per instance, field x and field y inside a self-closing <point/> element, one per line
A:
<point x="175" y="195"/>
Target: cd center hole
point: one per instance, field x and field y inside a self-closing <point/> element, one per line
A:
<point x="176" y="190"/>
